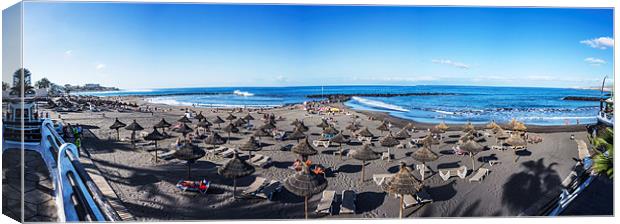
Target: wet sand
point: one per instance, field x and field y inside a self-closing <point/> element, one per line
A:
<point x="147" y="188"/>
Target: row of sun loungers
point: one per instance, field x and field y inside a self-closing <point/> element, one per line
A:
<point x="324" y="143"/>
<point x="347" y="204"/>
<point x="260" y="160"/>
<point x="445" y="174"/>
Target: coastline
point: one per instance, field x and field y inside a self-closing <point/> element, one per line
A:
<point x="378" y="115"/>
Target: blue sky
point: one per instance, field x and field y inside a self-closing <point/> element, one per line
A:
<point x="135" y="46"/>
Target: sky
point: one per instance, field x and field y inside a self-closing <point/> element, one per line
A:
<point x="149" y="45"/>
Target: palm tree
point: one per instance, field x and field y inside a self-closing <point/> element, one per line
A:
<point x="19" y="81"/>
<point x="604" y="162"/>
<point x="5" y="86"/>
<point x="43" y="83"/>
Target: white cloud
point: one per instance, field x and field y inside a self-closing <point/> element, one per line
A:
<point x="599" y="43"/>
<point x="281" y="78"/>
<point x="451" y="63"/>
<point x="68" y="52"/>
<point x="100" y="66"/>
<point x="595" y="61"/>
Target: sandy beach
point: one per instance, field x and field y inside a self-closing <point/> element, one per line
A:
<point x="147" y="189"/>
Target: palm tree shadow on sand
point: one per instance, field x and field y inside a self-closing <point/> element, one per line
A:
<point x="523" y="189"/>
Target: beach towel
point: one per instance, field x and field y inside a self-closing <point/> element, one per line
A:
<point x="196" y="186"/>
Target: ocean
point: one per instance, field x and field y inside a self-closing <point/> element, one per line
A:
<point x="456" y="105"/>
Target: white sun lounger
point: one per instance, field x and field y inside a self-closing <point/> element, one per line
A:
<point x="348" y="202"/>
<point x="379" y="179"/>
<point x="482" y="172"/>
<point x="256" y="158"/>
<point x="258" y="183"/>
<point x="325" y="205"/>
<point x="421" y="197"/>
<point x="318" y="143"/>
<point x="262" y="162"/>
<point x="166" y="155"/>
<point x="220" y="149"/>
<point x="445" y="174"/>
<point x="228" y="153"/>
<point x="269" y="190"/>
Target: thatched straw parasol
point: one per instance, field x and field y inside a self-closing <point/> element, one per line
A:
<point x="204" y="124"/>
<point x="117" y="125"/>
<point x="163" y="124"/>
<point x="352" y="127"/>
<point x="389" y="141"/>
<point x="214" y="139"/>
<point x="403" y="183"/>
<point x="339" y="138"/>
<point x="304" y="149"/>
<point x="323" y="124"/>
<point x="516" y="140"/>
<point x="183" y="129"/>
<point x="133" y="127"/>
<point x="239" y="122"/>
<point x="365" y="154"/>
<point x="365" y="133"/>
<point x="472" y="147"/>
<point x="261" y="133"/>
<point x="424" y="155"/>
<point x="190" y="153"/>
<point x="330" y="130"/>
<point x="267" y="126"/>
<point x="520" y="126"/>
<point x="302" y="127"/>
<point x="493" y="125"/>
<point x="402" y="134"/>
<point x="231" y="117"/>
<point x="429" y="140"/>
<point x="235" y="168"/>
<point x="230" y="128"/>
<point x="442" y="126"/>
<point x="184" y="119"/>
<point x="218" y="120"/>
<point x="248" y="118"/>
<point x="469" y="127"/>
<point x="296" y="135"/>
<point x="437" y="131"/>
<point x="199" y="116"/>
<point x="154" y="136"/>
<point x="383" y="127"/>
<point x="295" y="122"/>
<point x="305" y="184"/>
<point x="410" y="127"/>
<point x="250" y="146"/>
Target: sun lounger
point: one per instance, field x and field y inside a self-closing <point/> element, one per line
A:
<point x="256" y="158"/>
<point x="325" y="205"/>
<point x="379" y="179"/>
<point x="262" y="162"/>
<point x="318" y="143"/>
<point x="219" y="150"/>
<point x="269" y="190"/>
<point x="421" y="197"/>
<point x="228" y="153"/>
<point x="386" y="155"/>
<point x="445" y="174"/>
<point x="348" y="202"/>
<point x="339" y="152"/>
<point x="424" y="168"/>
<point x="364" y="139"/>
<point x="498" y="148"/>
<point x="482" y="172"/>
<point x="258" y="183"/>
<point x="494" y="162"/>
<point x="166" y="155"/>
<point x="457" y="150"/>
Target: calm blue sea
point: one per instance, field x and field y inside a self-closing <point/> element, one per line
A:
<point x="543" y="106"/>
